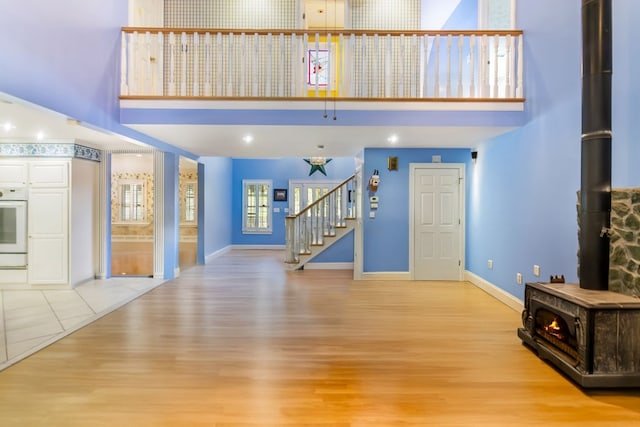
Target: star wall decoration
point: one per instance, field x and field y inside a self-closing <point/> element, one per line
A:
<point x="317" y="164"/>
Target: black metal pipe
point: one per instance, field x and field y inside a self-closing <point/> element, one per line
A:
<point x="595" y="182"/>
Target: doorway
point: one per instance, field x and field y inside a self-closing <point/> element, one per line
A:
<point x="436" y="221"/>
<point x="132" y="228"/>
<point x="188" y="206"/>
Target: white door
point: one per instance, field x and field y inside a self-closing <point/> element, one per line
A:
<point x="303" y="193"/>
<point x="437" y="223"/>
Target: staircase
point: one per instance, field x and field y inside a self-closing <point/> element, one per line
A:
<point x="321" y="224"/>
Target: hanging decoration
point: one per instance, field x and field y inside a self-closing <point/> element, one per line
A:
<point x="317" y="164"/>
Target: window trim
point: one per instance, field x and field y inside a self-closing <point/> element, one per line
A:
<point x="183" y="210"/>
<point x="257" y="230"/>
<point x="132" y="181"/>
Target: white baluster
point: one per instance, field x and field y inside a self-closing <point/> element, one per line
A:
<point x="329" y="65"/>
<point x="425" y="65"/>
<point x="363" y="69"/>
<point x="134" y="59"/>
<point x="415" y="66"/>
<point x="519" y="91"/>
<point x="402" y="66"/>
<point x="196" y="64"/>
<point x="387" y="67"/>
<point x="449" y="41"/>
<point x="124" y="87"/>
<point x="269" y="63"/>
<point x="352" y="67"/>
<point x="219" y="65"/>
<point x="509" y="88"/>
<point x="160" y="64"/>
<point x="293" y="55"/>
<point x="184" y="48"/>
<point x="230" y="59"/>
<point x="281" y="67"/>
<point x="472" y="62"/>
<point x="376" y="67"/>
<point x="207" y="82"/>
<point x="341" y="60"/>
<point x="147" y="64"/>
<point x="496" y="66"/>
<point x="484" y="66"/>
<point x="460" y="46"/>
<point x="306" y="65"/>
<point x="172" y="64"/>
<point x="436" y="83"/>
<point x="256" y="64"/>
<point x="243" y="63"/>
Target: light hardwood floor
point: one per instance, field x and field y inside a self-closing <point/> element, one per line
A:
<point x="240" y="342"/>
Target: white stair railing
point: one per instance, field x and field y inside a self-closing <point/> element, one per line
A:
<point x="319" y="220"/>
<point x="348" y="63"/>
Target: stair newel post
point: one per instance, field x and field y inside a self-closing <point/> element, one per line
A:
<point x="290" y="224"/>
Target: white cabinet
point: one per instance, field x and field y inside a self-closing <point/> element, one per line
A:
<point x="48" y="222"/>
<point x="48" y="236"/>
<point x="13" y="173"/>
<point x="49" y="173"/>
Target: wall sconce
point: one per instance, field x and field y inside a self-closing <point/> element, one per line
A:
<point x="474" y="156"/>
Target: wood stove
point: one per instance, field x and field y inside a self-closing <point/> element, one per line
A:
<point x="592" y="336"/>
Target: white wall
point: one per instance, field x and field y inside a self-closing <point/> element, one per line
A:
<point x="83" y="230"/>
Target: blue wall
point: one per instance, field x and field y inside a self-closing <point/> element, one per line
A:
<point x="386" y="237"/>
<point x="280" y="171"/>
<point x="217" y="203"/>
<point x="626" y="94"/>
<point x="464" y="17"/>
<point x="65" y="56"/>
<point x="522" y="205"/>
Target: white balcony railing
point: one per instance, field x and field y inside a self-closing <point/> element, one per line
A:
<point x="301" y="64"/>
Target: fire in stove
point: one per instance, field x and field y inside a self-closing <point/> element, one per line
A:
<point x="554" y="329"/>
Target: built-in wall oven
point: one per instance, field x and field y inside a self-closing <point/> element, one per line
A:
<point x="13" y="228"/>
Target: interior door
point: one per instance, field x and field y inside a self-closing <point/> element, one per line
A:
<point x="437" y="224"/>
<point x="304" y="193"/>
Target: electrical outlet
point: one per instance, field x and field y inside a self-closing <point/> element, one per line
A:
<point x="519" y="278"/>
<point x="490" y="264"/>
<point x="536" y="270"/>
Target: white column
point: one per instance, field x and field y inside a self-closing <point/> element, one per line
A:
<point x="158" y="214"/>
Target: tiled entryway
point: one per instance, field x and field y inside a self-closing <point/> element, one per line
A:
<point x="33" y="319"/>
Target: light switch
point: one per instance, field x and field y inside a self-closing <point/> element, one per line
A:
<point x="276" y="210"/>
<point x="372" y="214"/>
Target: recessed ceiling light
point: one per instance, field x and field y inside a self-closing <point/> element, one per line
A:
<point x="40" y="136"/>
<point x="393" y="139"/>
<point x="8" y="126"/>
<point x="247" y="139"/>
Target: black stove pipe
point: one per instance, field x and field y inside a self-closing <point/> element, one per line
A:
<point x="595" y="182"/>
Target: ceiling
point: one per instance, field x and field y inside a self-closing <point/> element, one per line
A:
<point x="27" y="120"/>
<point x="21" y="122"/>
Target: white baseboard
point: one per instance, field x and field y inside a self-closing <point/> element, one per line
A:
<point x="216" y="254"/>
<point x="260" y="247"/>
<point x="387" y="275"/>
<point x="501" y="295"/>
<point x="329" y="266"/>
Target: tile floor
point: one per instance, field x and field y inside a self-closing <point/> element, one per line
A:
<point x="32" y="319"/>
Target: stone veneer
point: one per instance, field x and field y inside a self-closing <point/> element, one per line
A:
<point x="624" y="263"/>
<point x="624" y="254"/>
